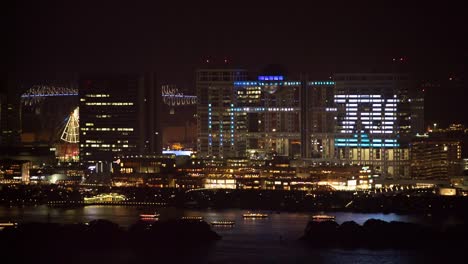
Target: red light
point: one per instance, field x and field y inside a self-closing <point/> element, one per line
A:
<point x="207" y="61"/>
<point x="394" y="59"/>
<point x="401" y="59"/>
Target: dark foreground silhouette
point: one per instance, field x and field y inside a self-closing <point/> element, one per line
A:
<point x="378" y="234"/>
<point x="102" y="241"/>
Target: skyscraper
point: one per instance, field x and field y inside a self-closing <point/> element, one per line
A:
<point x="267" y="116"/>
<point x="317" y="116"/>
<point x="374" y="121"/>
<point x="238" y="117"/>
<point x="215" y="120"/>
<point x="119" y="115"/>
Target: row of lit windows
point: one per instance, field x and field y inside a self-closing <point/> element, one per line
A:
<point x="105" y="145"/>
<point x="358" y="96"/>
<point x="371" y="131"/>
<point x="364" y="139"/>
<point x="371" y="127"/>
<point x="369" y="118"/>
<point x="93" y="141"/>
<point x="97" y="95"/>
<point x="110" y="103"/>
<point x="266" y="83"/>
<point x="261" y="109"/>
<point x="368" y="122"/>
<point x="366" y="100"/>
<point x="105" y="128"/>
<point x="366" y="145"/>
<point x="103" y="116"/>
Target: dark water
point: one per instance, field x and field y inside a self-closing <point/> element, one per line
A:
<point x="270" y="240"/>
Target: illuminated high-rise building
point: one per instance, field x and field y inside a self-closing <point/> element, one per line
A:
<point x="373" y="121"/>
<point x="238" y="117"/>
<point x="267" y="116"/>
<point x="318" y="113"/>
<point x="118" y="116"/>
<point x="435" y="159"/>
<point x="215" y="116"/>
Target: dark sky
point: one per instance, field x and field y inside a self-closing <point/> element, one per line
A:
<point x="53" y="38"/>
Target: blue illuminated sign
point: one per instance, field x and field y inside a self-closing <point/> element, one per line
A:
<point x="178" y="152"/>
<point x="364" y="141"/>
<point x="271" y="78"/>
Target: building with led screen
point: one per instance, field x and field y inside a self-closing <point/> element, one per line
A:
<point x="373" y="121"/>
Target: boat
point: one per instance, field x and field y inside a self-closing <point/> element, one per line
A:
<point x="8" y="224"/>
<point x="148" y="217"/>
<point x="192" y="218"/>
<point x="255" y="215"/>
<point x="320" y="218"/>
<point x="223" y="223"/>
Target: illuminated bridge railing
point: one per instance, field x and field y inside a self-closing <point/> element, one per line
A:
<point x="49" y="91"/>
<point x="38" y="93"/>
<point x="170" y="95"/>
<point x="47" y="95"/>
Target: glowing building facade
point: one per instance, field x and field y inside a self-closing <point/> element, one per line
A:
<point x="267" y="116"/>
<point x="435" y="159"/>
<point x="373" y="121"/>
<point x="216" y="129"/>
<point x="118" y="116"/>
<point x="318" y="113"/>
<point x="239" y="117"/>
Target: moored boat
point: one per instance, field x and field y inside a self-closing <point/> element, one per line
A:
<point x="319" y="218"/>
<point x="255" y="215"/>
<point x="192" y="218"/>
<point x="223" y="223"/>
<point x="149" y="217"/>
<point x="8" y="224"/>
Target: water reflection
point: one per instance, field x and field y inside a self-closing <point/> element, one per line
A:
<point x="285" y="225"/>
<point x="270" y="240"/>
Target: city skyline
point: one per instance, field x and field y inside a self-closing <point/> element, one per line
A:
<point x="51" y="41"/>
<point x="234" y="132"/>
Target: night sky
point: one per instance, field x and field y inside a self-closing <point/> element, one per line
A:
<point x="54" y="39"/>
